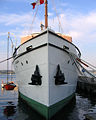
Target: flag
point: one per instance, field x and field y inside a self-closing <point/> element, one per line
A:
<point x="41" y="2"/>
<point x="38" y="2"/>
<point x="33" y="4"/>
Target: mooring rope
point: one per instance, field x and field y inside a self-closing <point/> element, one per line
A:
<point x="75" y="59"/>
<point x="89" y="63"/>
<point x="86" y="70"/>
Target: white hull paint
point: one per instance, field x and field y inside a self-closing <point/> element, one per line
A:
<point x="47" y="57"/>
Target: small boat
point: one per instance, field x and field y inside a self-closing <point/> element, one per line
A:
<point x="9" y="86"/>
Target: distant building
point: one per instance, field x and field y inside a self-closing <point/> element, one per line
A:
<point x="5" y="72"/>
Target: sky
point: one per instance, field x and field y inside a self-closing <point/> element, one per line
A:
<point x="77" y="19"/>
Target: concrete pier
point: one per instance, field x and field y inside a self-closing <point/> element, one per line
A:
<point x="90" y="116"/>
<point x="86" y="84"/>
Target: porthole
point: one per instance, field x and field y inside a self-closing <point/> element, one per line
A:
<point x="26" y="62"/>
<point x="68" y="61"/>
<point x="21" y="63"/>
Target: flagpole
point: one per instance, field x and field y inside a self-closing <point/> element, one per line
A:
<point x="46" y="14"/>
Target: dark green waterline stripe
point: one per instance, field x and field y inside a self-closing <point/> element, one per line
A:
<point x="44" y="110"/>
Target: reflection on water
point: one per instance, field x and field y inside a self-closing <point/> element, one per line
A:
<point x="27" y="111"/>
<point x="8" y="100"/>
<point x="10" y="109"/>
<point x="13" y="108"/>
<point x="64" y="113"/>
<point x="90" y="97"/>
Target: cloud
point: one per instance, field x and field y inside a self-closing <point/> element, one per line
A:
<point x="75" y="34"/>
<point x="3" y="65"/>
<point x="78" y="25"/>
<point x="50" y="14"/>
<point x="13" y="19"/>
<point x="19" y="24"/>
<point x="64" y="4"/>
<point x="3" y="33"/>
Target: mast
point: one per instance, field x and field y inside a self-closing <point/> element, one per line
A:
<point x="46" y="14"/>
<point x="8" y="55"/>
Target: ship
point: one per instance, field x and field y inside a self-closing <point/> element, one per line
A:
<point x="46" y="70"/>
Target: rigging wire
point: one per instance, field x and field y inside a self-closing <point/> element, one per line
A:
<point x="15" y="40"/>
<point x="86" y="70"/>
<point x="11" y="54"/>
<point x="85" y="64"/>
<point x="31" y="27"/>
<point x="74" y="57"/>
<point x="9" y="38"/>
<point x="12" y="44"/>
<point x="57" y="15"/>
<point x="89" y="64"/>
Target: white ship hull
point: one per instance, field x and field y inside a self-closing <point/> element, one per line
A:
<point x="47" y="51"/>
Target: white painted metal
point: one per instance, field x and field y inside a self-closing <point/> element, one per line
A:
<point x="47" y="58"/>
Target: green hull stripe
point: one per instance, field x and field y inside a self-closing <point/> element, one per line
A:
<point x="45" y="111"/>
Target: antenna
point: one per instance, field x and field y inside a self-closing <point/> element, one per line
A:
<point x="41" y="25"/>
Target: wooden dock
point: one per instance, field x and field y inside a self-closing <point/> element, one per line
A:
<point x="86" y="84"/>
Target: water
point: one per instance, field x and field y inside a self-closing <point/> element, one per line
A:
<point x="12" y="108"/>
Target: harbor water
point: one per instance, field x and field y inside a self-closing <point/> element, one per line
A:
<point x="13" y="108"/>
